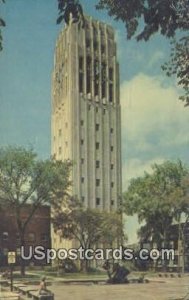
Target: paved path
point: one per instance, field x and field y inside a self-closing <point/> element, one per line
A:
<point x="170" y="289"/>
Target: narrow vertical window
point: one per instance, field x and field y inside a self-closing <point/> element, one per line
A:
<point x="88" y="75"/>
<point x="81" y="74"/>
<point x="103" y="80"/>
<point x="96" y="77"/>
<point x="111" y="92"/>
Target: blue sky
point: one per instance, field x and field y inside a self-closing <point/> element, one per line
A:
<point x="154" y="121"/>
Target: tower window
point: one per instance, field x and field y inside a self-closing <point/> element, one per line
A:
<point x="112" y="166"/>
<point x="82" y="161"/>
<point x="97" y="201"/>
<point x="81" y="74"/>
<point x="97" y="146"/>
<point x="111" y="92"/>
<point x="88" y="75"/>
<point x="82" y="179"/>
<point x="97" y="182"/>
<point x="83" y="199"/>
<point x="81" y="82"/>
<point x="102" y="48"/>
<point x="112" y="148"/>
<point x="111" y="74"/>
<point x="95" y="45"/>
<point x="112" y="202"/>
<point x="103" y="80"/>
<point x="111" y="130"/>
<point x="60" y="132"/>
<point x="97" y="164"/>
<point x="82" y="122"/>
<point x="88" y="43"/>
<point x="60" y="150"/>
<point x="82" y="142"/>
<point x="97" y="127"/>
<point x="81" y="64"/>
<point x="96" y="77"/>
<point x="112" y="184"/>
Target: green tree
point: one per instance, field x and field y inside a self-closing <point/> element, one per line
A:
<point x="158" y="199"/>
<point x="25" y="180"/>
<point x="89" y="227"/>
<point x="2" y="24"/>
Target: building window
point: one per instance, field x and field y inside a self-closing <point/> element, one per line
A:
<point x="97" y="182"/>
<point x="112" y="203"/>
<point x="111" y="92"/>
<point x="97" y="201"/>
<point x="82" y="142"/>
<point x="81" y="74"/>
<point x="97" y="146"/>
<point x="97" y="127"/>
<point x="5" y="236"/>
<point x="83" y="199"/>
<point x="31" y="237"/>
<point x="112" y="166"/>
<point x="112" y="148"/>
<point x="103" y="80"/>
<point x="102" y="48"/>
<point x="82" y="161"/>
<point x="96" y="109"/>
<point x="111" y="74"/>
<point x="112" y="184"/>
<point x="89" y="107"/>
<point x="97" y="164"/>
<point x="60" y="132"/>
<point x="88" y="43"/>
<point x="95" y="44"/>
<point x="81" y="82"/>
<point x="82" y="122"/>
<point x="60" y="150"/>
<point x="111" y="130"/>
<point x="44" y="237"/>
<point x="96" y="77"/>
<point x="88" y="75"/>
<point x="81" y="63"/>
<point x="82" y="179"/>
<point x="66" y="125"/>
<point x="66" y="143"/>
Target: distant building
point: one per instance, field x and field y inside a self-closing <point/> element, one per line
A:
<point x="37" y="233"/>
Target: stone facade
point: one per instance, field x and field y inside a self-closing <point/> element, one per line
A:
<point x="86" y="117"/>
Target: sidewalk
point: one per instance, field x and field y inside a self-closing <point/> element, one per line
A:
<point x="8" y="295"/>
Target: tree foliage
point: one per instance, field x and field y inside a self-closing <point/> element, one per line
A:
<point x="143" y="18"/>
<point x="89" y="227"/>
<point x="27" y="181"/>
<point x="2" y="24"/>
<point x="158" y="199"/>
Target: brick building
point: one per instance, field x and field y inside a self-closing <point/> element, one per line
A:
<point x="37" y="233"/>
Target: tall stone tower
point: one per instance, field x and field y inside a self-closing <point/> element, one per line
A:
<point x="86" y="117"/>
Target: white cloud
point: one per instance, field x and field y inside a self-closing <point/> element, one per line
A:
<point x="149" y="107"/>
<point x="135" y="167"/>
